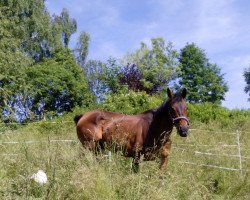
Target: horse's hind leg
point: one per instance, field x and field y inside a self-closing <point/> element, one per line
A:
<point x="136" y="160"/>
<point x="92" y="145"/>
<point x="135" y="165"/>
<point x="137" y="152"/>
<point x="99" y="147"/>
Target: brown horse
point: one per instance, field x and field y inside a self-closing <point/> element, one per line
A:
<point x="143" y="135"/>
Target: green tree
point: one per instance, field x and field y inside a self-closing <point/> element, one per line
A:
<point x="67" y="25"/>
<point x="13" y="60"/>
<point x="103" y="77"/>
<point x="38" y="33"/>
<point x="82" y="48"/>
<point x="203" y="80"/>
<point x="29" y="35"/>
<point x="147" y="69"/>
<point x="247" y="79"/>
<point x="36" y="38"/>
<point x="57" y="85"/>
<point x="30" y="24"/>
<point x="155" y="66"/>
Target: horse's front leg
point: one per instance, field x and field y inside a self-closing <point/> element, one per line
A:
<point x="164" y="154"/>
<point x="136" y="159"/>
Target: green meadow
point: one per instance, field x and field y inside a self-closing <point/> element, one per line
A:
<point x="213" y="162"/>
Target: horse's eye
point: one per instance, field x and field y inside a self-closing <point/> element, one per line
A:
<point x="172" y="111"/>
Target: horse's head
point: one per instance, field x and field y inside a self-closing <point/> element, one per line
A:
<point x="178" y="111"/>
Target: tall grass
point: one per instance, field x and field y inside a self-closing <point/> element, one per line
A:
<point x="74" y="173"/>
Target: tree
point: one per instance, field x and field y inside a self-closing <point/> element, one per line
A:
<point x="38" y="34"/>
<point x="247" y="79"/>
<point x="82" y="48"/>
<point x="36" y="37"/>
<point x="57" y="85"/>
<point x="131" y="76"/>
<point x="150" y="69"/>
<point x="203" y="80"/>
<point x="103" y="77"/>
<point x="67" y="25"/>
<point x="147" y="69"/>
<point x="31" y="43"/>
<point x="13" y="60"/>
<point x="30" y="24"/>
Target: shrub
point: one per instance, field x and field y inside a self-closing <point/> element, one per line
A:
<point x="213" y="113"/>
<point x="131" y="102"/>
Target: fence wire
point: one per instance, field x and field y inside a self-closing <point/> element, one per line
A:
<point x="238" y="145"/>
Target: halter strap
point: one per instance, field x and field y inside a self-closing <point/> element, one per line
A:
<point x="180" y="117"/>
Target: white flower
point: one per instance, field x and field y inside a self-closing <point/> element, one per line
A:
<point x="40" y="177"/>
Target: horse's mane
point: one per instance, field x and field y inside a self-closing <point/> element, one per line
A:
<point x="163" y="108"/>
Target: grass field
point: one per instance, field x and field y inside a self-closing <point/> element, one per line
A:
<point x="197" y="167"/>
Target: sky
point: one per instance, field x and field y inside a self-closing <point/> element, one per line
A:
<point x="220" y="27"/>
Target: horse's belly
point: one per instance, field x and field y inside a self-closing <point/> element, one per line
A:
<point x="120" y="140"/>
<point x="151" y="154"/>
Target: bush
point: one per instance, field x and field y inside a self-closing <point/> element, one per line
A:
<point x="131" y="102"/>
<point x="213" y="113"/>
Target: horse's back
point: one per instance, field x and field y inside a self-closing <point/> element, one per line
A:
<point x="90" y="125"/>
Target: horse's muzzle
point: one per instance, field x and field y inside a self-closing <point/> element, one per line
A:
<point x="182" y="131"/>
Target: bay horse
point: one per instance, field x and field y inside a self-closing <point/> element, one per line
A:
<point x="142" y="136"/>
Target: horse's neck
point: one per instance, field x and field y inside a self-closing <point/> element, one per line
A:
<point x="161" y="125"/>
<point x="162" y="120"/>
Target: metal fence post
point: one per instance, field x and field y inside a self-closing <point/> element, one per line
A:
<point x="239" y="151"/>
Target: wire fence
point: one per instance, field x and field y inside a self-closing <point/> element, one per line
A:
<point x="237" y="155"/>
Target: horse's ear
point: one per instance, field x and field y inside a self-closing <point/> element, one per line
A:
<point x="184" y="93"/>
<point x="169" y="93"/>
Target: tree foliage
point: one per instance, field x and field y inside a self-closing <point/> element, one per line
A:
<point x="67" y="26"/>
<point x="13" y="60"/>
<point x="29" y="22"/>
<point x="131" y="102"/>
<point x="57" y="85"/>
<point x="103" y="77"/>
<point x="202" y="79"/>
<point x="150" y="69"/>
<point x="247" y="79"/>
<point x="82" y="48"/>
<point x="37" y="71"/>
<point x="39" y="75"/>
<point x="147" y="69"/>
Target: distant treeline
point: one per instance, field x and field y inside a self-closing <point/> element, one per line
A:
<point x="40" y="77"/>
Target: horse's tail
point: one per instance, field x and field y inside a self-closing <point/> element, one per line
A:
<point x="77" y="118"/>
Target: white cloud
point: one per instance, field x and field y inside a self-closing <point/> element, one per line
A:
<point x="215" y="22"/>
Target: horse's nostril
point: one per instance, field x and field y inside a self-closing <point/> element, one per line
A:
<point x="183" y="131"/>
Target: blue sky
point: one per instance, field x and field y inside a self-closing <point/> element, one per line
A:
<point x="220" y="27"/>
